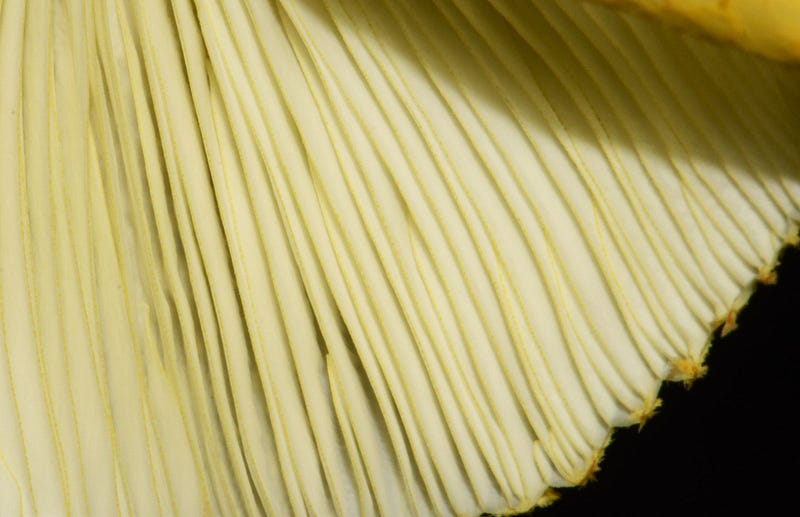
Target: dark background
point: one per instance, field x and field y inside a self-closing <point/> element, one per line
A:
<point x="729" y="445"/>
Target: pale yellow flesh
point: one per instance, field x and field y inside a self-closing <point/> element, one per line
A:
<point x="768" y="27"/>
<point x="362" y="257"/>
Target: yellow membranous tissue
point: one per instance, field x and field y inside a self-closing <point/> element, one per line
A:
<point x="369" y="257"/>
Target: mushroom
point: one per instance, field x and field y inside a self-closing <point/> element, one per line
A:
<point x="356" y="257"/>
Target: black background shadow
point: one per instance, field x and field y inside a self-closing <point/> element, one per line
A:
<point x="727" y="446"/>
